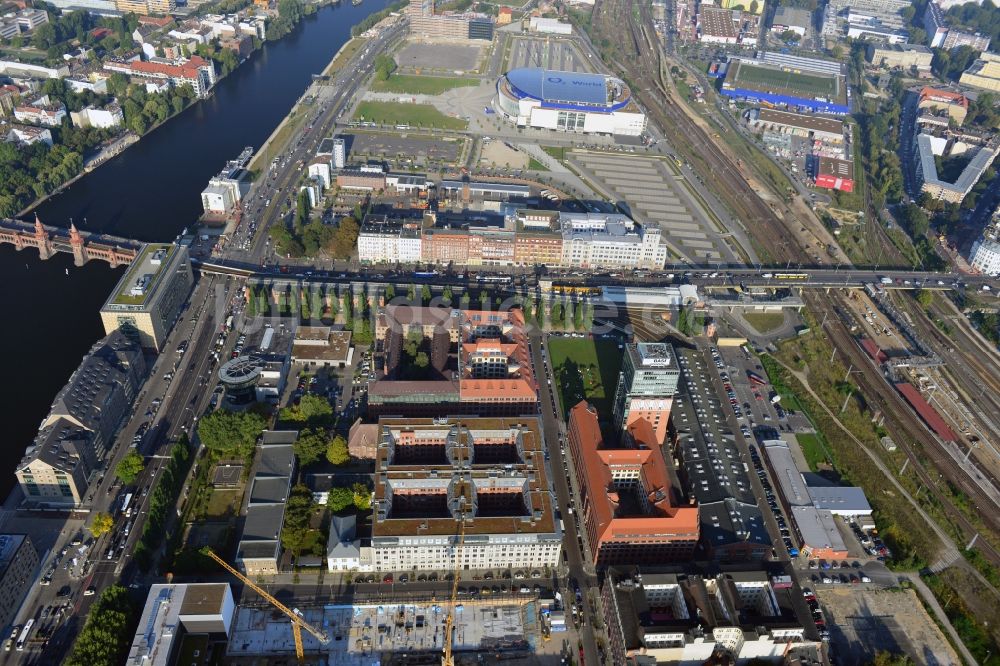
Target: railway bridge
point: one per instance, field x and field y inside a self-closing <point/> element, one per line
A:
<point x="83" y="245"/>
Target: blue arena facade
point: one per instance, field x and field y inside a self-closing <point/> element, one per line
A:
<point x="568" y="101"/>
<point x="803" y="103"/>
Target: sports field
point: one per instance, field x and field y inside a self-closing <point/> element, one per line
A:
<point x="415" y="115"/>
<point x="586" y="369"/>
<point x="765" y="79"/>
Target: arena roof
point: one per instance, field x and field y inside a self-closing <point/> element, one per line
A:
<point x="547" y="84"/>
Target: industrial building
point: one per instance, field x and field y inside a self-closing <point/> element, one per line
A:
<point x="18" y="568"/>
<point x="716" y="26"/>
<point x="259" y="550"/>
<point x="477" y="361"/>
<point x="175" y="611"/>
<point x="322" y="347"/>
<point x="660" y="617"/>
<point x="646" y="387"/>
<point x="711" y="466"/>
<point x="791" y="19"/>
<point x="147" y="300"/>
<point x="568" y="102"/>
<point x="77" y="434"/>
<point x="819" y="128"/>
<point x="832" y="173"/>
<point x="811" y="508"/>
<point x="631" y="505"/>
<point x="549" y="26"/>
<point x="462" y="493"/>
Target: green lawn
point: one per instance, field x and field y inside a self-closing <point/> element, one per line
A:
<point x="813" y="449"/>
<point x="765" y="322"/>
<point x="422" y="85"/>
<point x="222" y="503"/>
<point x="586" y="369"/>
<point x="415" y="115"/>
<point x="535" y="165"/>
<point x="558" y="152"/>
<point x="782" y="81"/>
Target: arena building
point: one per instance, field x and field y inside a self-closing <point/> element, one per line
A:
<point x="568" y="102"/>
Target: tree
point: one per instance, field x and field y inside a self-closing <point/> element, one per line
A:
<point x="314" y="411"/>
<point x="101" y="524"/>
<point x="229" y="434"/>
<point x="362" y="496"/>
<point x="425" y="294"/>
<point x="421" y="360"/>
<point x="310" y="446"/>
<point x="339" y="498"/>
<point x="298" y="512"/>
<point x="390" y="292"/>
<point x="105" y="637"/>
<point x="345" y="238"/>
<point x="129" y="468"/>
<point x="925" y="297"/>
<point x="337" y="452"/>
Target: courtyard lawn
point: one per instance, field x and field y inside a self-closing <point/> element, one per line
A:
<point x="422" y="85"/>
<point x="586" y="369"/>
<point x="765" y="322"/>
<point x="414" y="115"/>
<point x="223" y="503"/>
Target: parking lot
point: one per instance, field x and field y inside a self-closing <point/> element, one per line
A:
<point x="552" y="53"/>
<point x="862" y="622"/>
<point x="655" y="196"/>
<point x="404" y="150"/>
<point x="437" y="58"/>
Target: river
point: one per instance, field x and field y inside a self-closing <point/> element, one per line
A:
<point x="150" y="192"/>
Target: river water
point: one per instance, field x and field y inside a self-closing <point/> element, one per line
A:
<point x="150" y="192"/>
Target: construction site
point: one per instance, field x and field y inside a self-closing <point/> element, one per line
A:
<point x="384" y="633"/>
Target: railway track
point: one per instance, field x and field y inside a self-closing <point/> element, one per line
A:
<point x="641" y="61"/>
<point x="902" y="421"/>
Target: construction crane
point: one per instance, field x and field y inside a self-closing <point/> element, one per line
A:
<point x="449" y="623"/>
<point x="298" y="622"/>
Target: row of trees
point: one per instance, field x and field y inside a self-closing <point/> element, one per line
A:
<point x="290" y="12"/>
<point x="106" y="636"/>
<point x="162" y="503"/>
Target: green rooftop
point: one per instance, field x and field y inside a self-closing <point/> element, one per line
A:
<point x="141" y="277"/>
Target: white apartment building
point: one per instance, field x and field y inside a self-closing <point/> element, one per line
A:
<point x="319" y="169"/>
<point x="386" y="240"/>
<point x="41" y="111"/>
<point x="985" y="254"/>
<point x="487" y="472"/>
<point x="109" y="116"/>
<point x="592" y="240"/>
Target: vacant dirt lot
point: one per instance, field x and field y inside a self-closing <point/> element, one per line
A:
<point x="862" y="622"/>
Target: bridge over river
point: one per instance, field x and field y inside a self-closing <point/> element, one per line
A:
<point x="83" y="245"/>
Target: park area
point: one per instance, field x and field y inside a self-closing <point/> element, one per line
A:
<point x="413" y="115"/>
<point x="586" y="369"/>
<point x="422" y="85"/>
